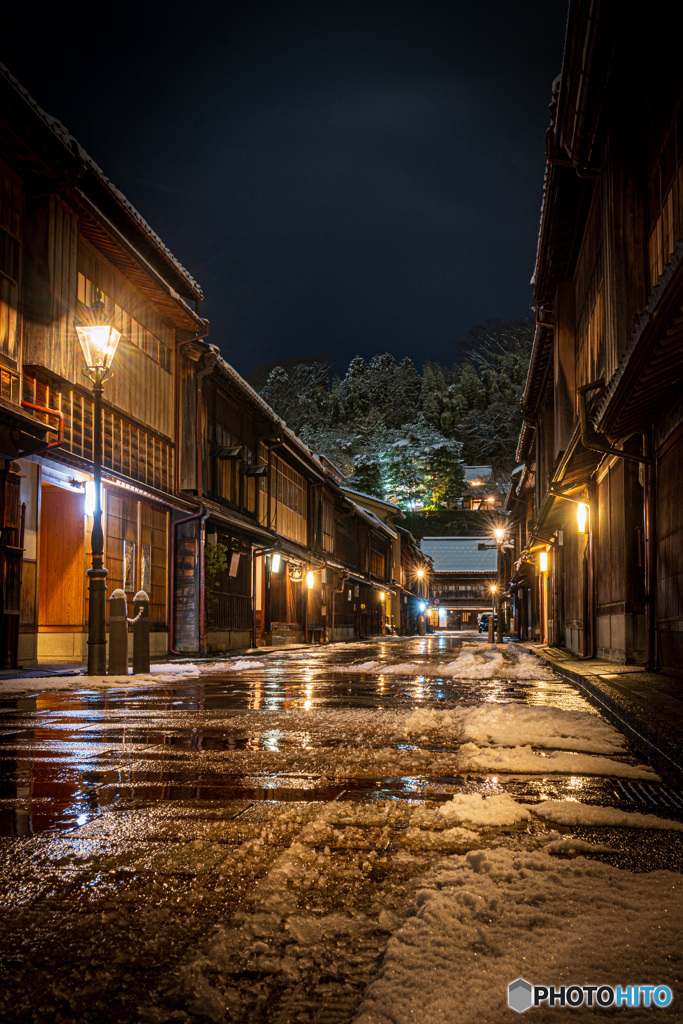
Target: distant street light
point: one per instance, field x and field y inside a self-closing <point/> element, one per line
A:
<point x="98" y="339"/>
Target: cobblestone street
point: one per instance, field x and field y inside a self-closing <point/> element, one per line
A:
<point x="241" y="840"/>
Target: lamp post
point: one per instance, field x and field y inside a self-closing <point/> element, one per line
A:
<point x="499" y="534"/>
<point x="98" y="339"/>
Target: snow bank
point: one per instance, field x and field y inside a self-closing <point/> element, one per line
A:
<point x="572" y="812"/>
<point x="167" y="672"/>
<point x="511" y="725"/>
<point x="493" y="810"/>
<point x="385" y="668"/>
<point x="523" y="759"/>
<point x="469" y="664"/>
<point x="489" y="917"/>
<point x="494" y="664"/>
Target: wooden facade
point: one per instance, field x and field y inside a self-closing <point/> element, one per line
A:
<point x="602" y="406"/>
<point x="239" y="534"/>
<point x="67" y="234"/>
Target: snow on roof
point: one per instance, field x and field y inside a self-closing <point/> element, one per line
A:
<point x="483" y="474"/>
<point x="460" y="554"/>
<point x="371" y="497"/>
<point x="72" y="144"/>
<point x="374" y="520"/>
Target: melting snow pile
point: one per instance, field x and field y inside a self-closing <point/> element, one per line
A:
<point x="493" y="664"/>
<point x="571" y="812"/>
<point x="492" y="810"/>
<point x="518" y="724"/>
<point x="524" y="760"/>
<point x="489" y="917"/>
<point x="469" y="664"/>
<point x="385" y="668"/>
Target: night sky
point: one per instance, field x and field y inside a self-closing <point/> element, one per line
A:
<point x="340" y="177"/>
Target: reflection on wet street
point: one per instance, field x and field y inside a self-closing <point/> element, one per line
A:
<point x="240" y="843"/>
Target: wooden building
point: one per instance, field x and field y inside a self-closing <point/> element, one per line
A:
<point x="240" y="534"/>
<point x="68" y="233"/>
<point x="464" y="572"/>
<point x="603" y="413"/>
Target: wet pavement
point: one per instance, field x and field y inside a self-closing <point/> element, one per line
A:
<point x="239" y="843"/>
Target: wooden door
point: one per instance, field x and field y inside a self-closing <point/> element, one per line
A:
<point x="62" y="560"/>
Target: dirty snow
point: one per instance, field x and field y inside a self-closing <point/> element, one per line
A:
<point x="469" y="664"/>
<point x="479" y="810"/>
<point x="572" y="812"/>
<point x="524" y="759"/>
<point x="488" y="917"/>
<point x="511" y="725"/>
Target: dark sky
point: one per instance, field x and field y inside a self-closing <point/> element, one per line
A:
<point x="340" y="177"/>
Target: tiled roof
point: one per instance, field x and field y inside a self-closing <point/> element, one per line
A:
<point x="460" y="554"/>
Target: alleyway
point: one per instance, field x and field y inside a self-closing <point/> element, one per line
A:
<point x="381" y="832"/>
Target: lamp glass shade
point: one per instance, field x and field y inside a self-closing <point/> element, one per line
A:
<point x="420" y="573"/>
<point x="275" y="562"/>
<point x="582" y="517"/>
<point x="98" y="343"/>
<point x="543" y="561"/>
<point x="310" y="580"/>
<point x="499" y="533"/>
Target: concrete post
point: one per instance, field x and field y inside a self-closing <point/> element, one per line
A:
<point x="118" y="634"/>
<point x="141" y="633"/>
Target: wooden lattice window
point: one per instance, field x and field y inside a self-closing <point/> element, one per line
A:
<point x="127" y="449"/>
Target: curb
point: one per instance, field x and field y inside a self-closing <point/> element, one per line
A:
<point x="666" y="758"/>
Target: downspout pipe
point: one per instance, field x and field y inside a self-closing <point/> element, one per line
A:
<point x="59" y="431"/>
<point x="598" y="443"/>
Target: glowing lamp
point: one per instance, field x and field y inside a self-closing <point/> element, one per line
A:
<point x="89" y="508"/>
<point x="98" y="338"/>
<point x="381" y="596"/>
<point x="423" y="606"/>
<point x="499" y="534"/>
<point x="420" y="574"/>
<point x="543" y="561"/>
<point x="310" y="579"/>
<point x="494" y="588"/>
<point x="582" y="513"/>
<point x="275" y="562"/>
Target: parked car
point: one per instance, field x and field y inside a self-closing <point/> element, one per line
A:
<point x="484" y="621"/>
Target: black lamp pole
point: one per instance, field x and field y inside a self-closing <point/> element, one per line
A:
<point x="98" y="339"/>
<point x="97" y="574"/>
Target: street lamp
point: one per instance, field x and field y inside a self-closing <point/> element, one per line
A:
<point x="98" y="339"/>
<point x="582" y="517"/>
<point x="499" y="534"/>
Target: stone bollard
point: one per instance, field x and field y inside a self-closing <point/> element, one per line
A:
<point x="141" y="632"/>
<point x="118" y="634"/>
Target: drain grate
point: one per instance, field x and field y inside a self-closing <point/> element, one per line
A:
<point x="654" y="796"/>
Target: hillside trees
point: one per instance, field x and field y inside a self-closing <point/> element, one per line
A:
<point x="405" y="436"/>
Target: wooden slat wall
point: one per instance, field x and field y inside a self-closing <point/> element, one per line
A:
<point x="670" y="535"/>
<point x="10" y="223"/>
<point x="139" y="386"/>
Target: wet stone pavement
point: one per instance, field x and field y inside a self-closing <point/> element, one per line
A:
<point x="239" y="841"/>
